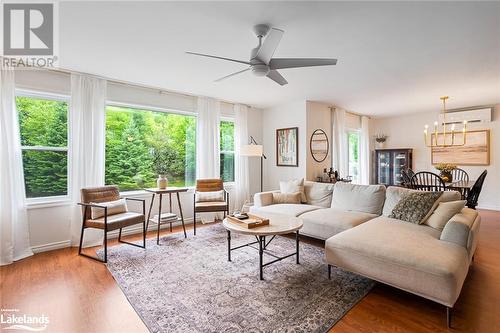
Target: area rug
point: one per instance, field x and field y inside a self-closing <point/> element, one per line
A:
<point x="187" y="285"/>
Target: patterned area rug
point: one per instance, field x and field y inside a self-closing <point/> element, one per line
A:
<point x="187" y="285"/>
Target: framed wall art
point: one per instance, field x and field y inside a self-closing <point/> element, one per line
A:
<point x="476" y="150"/>
<point x="287" y="147"/>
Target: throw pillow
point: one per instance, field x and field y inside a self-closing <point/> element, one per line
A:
<point x="287" y="198"/>
<point x="114" y="207"/>
<point x="443" y="213"/>
<point x="318" y="194"/>
<point x="210" y="196"/>
<point x="395" y="193"/>
<point x="415" y="207"/>
<point x="292" y="186"/>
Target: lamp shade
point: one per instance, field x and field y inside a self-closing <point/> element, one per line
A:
<point x="252" y="150"/>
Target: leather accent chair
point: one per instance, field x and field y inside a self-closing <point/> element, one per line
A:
<point x="203" y="186"/>
<point x="91" y="197"/>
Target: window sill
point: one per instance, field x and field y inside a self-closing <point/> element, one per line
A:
<point x="36" y="203"/>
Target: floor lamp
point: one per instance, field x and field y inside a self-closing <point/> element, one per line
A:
<point x="255" y="150"/>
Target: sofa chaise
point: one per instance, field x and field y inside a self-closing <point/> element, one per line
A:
<point x="361" y="237"/>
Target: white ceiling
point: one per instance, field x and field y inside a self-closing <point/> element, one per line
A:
<point x="393" y="57"/>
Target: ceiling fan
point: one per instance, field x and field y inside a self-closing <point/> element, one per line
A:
<point x="261" y="61"/>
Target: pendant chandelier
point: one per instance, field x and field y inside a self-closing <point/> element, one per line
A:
<point x="449" y="138"/>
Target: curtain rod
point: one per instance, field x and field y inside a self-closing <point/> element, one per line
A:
<point x="132" y="84"/>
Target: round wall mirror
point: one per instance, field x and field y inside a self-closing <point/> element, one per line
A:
<point x="319" y="145"/>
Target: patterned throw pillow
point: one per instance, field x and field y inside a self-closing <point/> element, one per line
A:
<point x="415" y="207"/>
<point x="289" y="198"/>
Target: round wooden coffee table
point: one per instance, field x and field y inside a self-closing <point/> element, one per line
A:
<point x="278" y="225"/>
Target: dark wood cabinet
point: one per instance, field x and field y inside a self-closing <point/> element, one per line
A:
<point x="389" y="163"/>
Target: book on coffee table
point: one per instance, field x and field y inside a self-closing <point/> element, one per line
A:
<point x="253" y="221"/>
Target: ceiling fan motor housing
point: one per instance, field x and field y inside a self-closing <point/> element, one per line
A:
<point x="260" y="70"/>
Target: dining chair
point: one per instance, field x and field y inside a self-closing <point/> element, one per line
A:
<point x="210" y="196"/>
<point x="410" y="172"/>
<point x="459" y="175"/>
<point x="473" y="195"/>
<point x="406" y="179"/>
<point x="427" y="181"/>
<point x="97" y="214"/>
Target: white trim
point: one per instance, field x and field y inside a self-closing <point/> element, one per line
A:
<point x="489" y="207"/>
<point x="50" y="201"/>
<point x="140" y="107"/>
<point x="45" y="148"/>
<point x="51" y="246"/>
<point x="45" y="202"/>
<point x="43" y="95"/>
<point x="137" y="229"/>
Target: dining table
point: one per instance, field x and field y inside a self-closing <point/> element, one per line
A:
<point x="462" y="186"/>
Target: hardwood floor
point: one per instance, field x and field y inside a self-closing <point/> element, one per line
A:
<point x="80" y="295"/>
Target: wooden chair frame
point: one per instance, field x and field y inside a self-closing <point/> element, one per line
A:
<point x="214" y="209"/>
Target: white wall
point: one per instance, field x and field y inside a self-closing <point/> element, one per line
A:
<point x="292" y="114"/>
<point x="49" y="224"/>
<point x="319" y="116"/>
<point x="406" y="131"/>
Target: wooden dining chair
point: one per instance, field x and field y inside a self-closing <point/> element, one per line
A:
<point x="459" y="175"/>
<point x="427" y="181"/>
<point x="210" y="196"/>
<point x="406" y="179"/>
<point x="96" y="197"/>
<point x="473" y="195"/>
<point x="410" y="172"/>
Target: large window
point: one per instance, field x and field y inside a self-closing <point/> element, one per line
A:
<point x="353" y="155"/>
<point x="227" y="151"/>
<point x="131" y="136"/>
<point x="43" y="123"/>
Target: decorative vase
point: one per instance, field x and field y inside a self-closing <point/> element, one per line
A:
<point x="380" y="144"/>
<point x="162" y="182"/>
<point x="446" y="176"/>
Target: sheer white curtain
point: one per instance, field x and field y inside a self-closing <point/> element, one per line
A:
<point x="207" y="138"/>
<point x="339" y="156"/>
<point x="242" y="190"/>
<point x="14" y="232"/>
<point x="364" y="151"/>
<point x="88" y="126"/>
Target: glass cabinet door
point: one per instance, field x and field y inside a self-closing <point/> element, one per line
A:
<point x="400" y="163"/>
<point x="384" y="168"/>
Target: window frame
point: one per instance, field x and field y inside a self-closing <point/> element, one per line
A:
<point x="357" y="131"/>
<point x="231" y="120"/>
<point x="150" y="108"/>
<point x="56" y="199"/>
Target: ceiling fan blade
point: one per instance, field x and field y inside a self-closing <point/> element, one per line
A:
<point x="228" y="76"/>
<point x="270" y="45"/>
<point x="278" y="63"/>
<point x="276" y="77"/>
<point x="216" y="57"/>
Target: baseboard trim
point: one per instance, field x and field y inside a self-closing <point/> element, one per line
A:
<point x="486" y="207"/>
<point x="51" y="246"/>
<point x="137" y="229"/>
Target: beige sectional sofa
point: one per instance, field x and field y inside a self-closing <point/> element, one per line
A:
<point x="361" y="238"/>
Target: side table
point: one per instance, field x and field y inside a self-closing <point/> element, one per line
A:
<point x="160" y="192"/>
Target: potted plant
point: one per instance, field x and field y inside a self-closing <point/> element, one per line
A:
<point x="380" y="140"/>
<point x="446" y="171"/>
<point x="160" y="166"/>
